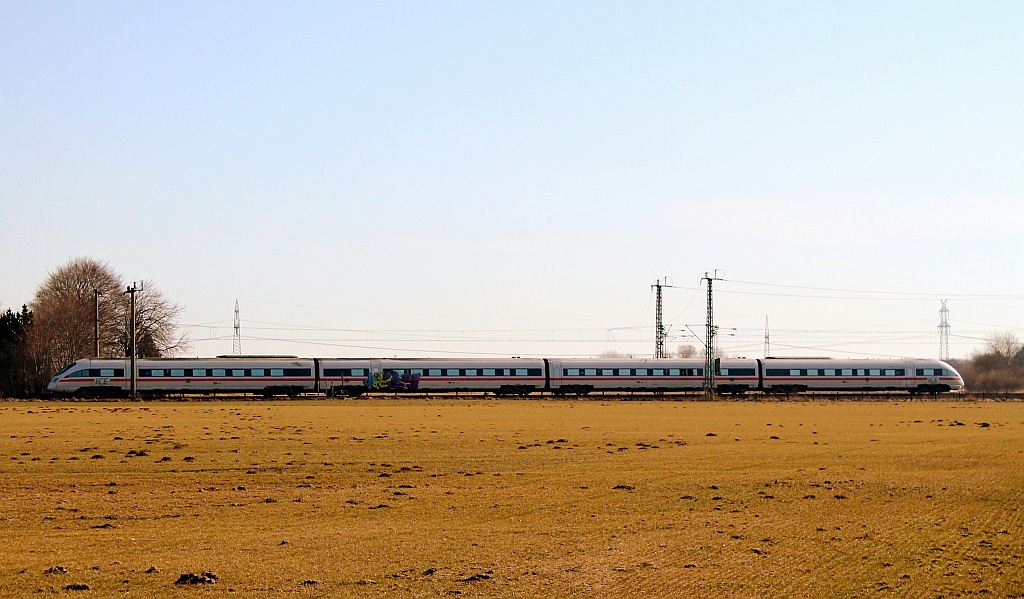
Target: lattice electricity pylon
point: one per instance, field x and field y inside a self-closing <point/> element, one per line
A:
<point x="659" y="324"/>
<point x="944" y="332"/>
<point x="236" y="346"/>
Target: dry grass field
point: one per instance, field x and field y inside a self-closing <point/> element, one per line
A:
<point x="478" y="498"/>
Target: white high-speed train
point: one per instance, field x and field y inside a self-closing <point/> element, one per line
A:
<point x="292" y="376"/>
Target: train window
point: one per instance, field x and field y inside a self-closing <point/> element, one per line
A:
<point x="358" y="372"/>
<point x="830" y="372"/>
<point x="452" y="372"/>
<point x="471" y="372"/>
<point x="418" y="371"/>
<point x="237" y="372"/>
<point x="641" y="372"/>
<point x="673" y="372"/>
<point x="218" y="372"/>
<point x="177" y="372"/>
<point x="273" y="372"/>
<point x="658" y="372"/>
<point x="488" y="372"/>
<point x="607" y="372"/>
<point x="79" y="373"/>
<point x="875" y="372"/>
<point x="106" y="372"/>
<point x="434" y="372"/>
<point x="521" y="372"/>
<point x="890" y="372"/>
<point x="572" y="372"/>
<point x="812" y="372"/>
<point x="533" y="372"/>
<point x="156" y="373"/>
<point x="624" y="372"/>
<point x="794" y="372"/>
<point x="847" y="372"/>
<point x="925" y="372"/>
<point x="590" y="371"/>
<point x="198" y="372"/>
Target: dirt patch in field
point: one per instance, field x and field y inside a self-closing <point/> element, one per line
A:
<point x="527" y="498"/>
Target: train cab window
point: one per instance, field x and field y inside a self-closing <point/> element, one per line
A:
<point x="177" y="372"/>
<point x="590" y="371"/>
<point x="434" y="372"/>
<point x="488" y="372"/>
<point x="198" y="372"/>
<point x="875" y="372"/>
<point x="572" y="372"/>
<point x="641" y="372"/>
<point x="658" y="372"/>
<point x="452" y="372"/>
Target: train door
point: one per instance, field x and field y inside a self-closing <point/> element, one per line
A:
<point x="552" y="374"/>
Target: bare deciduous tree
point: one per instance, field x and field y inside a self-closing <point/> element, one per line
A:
<point x="64" y="308"/>
<point x="1003" y="345"/>
<point x="65" y="316"/>
<point x="686" y="351"/>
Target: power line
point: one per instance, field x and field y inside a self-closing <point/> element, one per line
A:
<point x="917" y="295"/>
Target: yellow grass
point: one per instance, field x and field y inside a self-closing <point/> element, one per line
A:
<point x="424" y="498"/>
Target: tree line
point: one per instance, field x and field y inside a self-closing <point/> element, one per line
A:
<point x="999" y="368"/>
<point x="80" y="306"/>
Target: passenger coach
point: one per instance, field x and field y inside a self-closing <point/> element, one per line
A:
<point x="104" y="377"/>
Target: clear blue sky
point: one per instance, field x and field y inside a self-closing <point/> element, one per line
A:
<point x="369" y="178"/>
